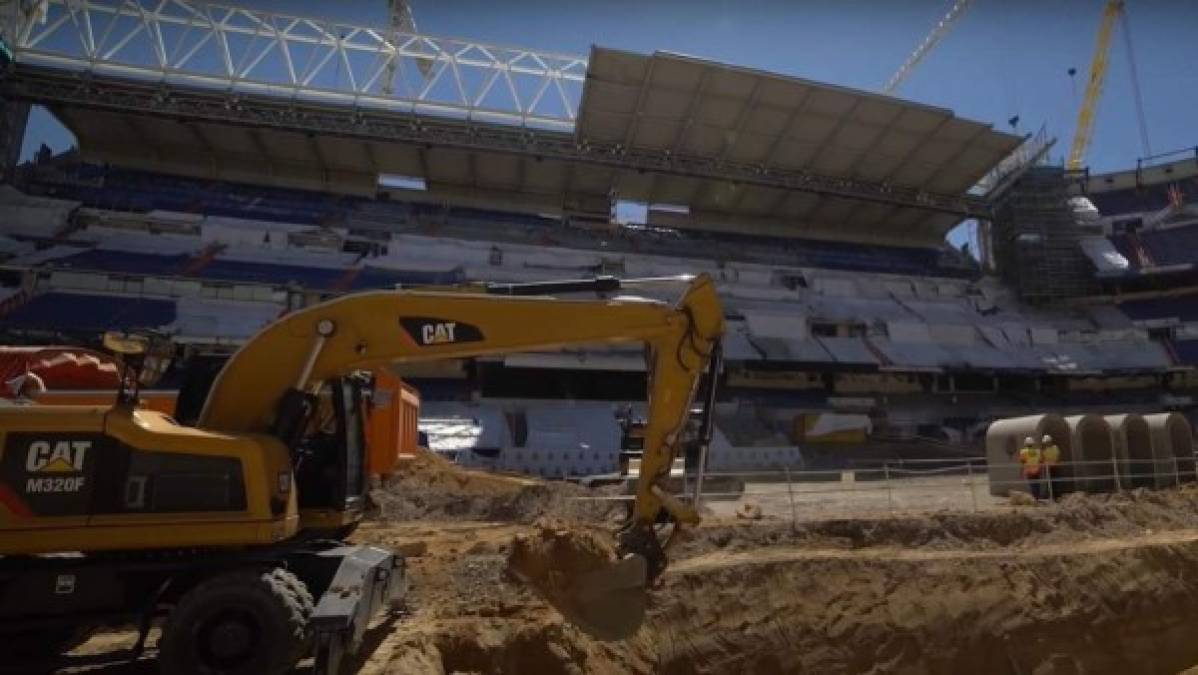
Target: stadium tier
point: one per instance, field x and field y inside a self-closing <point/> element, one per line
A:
<point x="131" y="191"/>
<point x="1150" y="217"/>
<point x="897" y="311"/>
<point x="81" y="313"/>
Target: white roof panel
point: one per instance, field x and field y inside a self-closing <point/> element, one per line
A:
<point x="683" y="105"/>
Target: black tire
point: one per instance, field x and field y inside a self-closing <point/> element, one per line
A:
<point x="307" y="604"/>
<point x="238" y="623"/>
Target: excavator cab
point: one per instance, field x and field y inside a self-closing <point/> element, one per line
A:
<point x="330" y="459"/>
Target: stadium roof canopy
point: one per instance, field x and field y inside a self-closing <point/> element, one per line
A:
<point x="742" y="150"/>
<point x="687" y="106"/>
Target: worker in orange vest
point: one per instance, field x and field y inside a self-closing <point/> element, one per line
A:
<point x="1032" y="460"/>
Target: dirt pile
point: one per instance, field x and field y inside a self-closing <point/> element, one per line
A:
<point x="1076" y="518"/>
<point x="575" y="568"/>
<point x="430" y="487"/>
<point x="1093" y="585"/>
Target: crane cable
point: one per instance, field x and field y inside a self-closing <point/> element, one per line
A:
<point x="1135" y="85"/>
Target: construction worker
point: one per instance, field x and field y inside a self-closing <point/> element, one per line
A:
<point x="1032" y="460"/>
<point x="1052" y="471"/>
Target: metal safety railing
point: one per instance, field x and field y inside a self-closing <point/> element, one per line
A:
<point x="917" y="486"/>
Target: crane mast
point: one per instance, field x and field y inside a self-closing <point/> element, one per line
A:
<point x="1098" y="69"/>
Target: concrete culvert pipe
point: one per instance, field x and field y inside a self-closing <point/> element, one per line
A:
<point x="1172" y="448"/>
<point x="1005" y="437"/>
<point x="1132" y="440"/>
<point x="1095" y="467"/>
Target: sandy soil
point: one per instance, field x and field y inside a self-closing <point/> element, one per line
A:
<point x="1105" y="584"/>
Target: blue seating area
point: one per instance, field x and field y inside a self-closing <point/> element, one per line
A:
<point x="833" y="255"/>
<point x="1174" y="246"/>
<point x="85" y="313"/>
<point x="1186" y="351"/>
<point x="271" y="273"/>
<point x="123" y="262"/>
<point x="1182" y="308"/>
<point x="1146" y="198"/>
<point x="846" y="256"/>
<point x="129" y="190"/>
<point x="378" y="277"/>
<point x="125" y="189"/>
<point x="149" y="264"/>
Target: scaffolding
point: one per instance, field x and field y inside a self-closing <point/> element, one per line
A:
<point x="1036" y="239"/>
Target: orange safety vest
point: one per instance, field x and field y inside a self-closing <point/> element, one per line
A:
<point x="1029" y="457"/>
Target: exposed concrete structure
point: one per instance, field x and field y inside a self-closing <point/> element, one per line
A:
<point x="1132" y="441"/>
<point x="1172" y="448"/>
<point x="1097" y="466"/>
<point x="1004" y="438"/>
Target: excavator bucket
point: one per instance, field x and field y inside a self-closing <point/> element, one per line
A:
<point x="577" y="571"/>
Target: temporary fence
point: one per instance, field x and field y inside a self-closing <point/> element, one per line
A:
<point x="913" y="486"/>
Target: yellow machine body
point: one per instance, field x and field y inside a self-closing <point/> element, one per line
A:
<point x="77" y="478"/>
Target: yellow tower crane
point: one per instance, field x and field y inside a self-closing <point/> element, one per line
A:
<point x="933" y="38"/>
<point x="1113" y="11"/>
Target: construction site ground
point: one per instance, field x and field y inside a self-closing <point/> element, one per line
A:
<point x="1093" y="584"/>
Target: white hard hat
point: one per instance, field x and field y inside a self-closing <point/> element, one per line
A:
<point x="1046" y="439"/>
<point x="1029" y="440"/>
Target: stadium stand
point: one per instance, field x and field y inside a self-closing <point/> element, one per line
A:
<point x="210" y="263"/>
<point x="1144" y="197"/>
<point x="270" y="273"/>
<point x="1187" y="351"/>
<point x="80" y="313"/>
<point x="121" y="190"/>
<point x="123" y="262"/>
<point x="1176" y="309"/>
<point x="1171" y="246"/>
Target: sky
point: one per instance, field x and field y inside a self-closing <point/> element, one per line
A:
<point x="1001" y="59"/>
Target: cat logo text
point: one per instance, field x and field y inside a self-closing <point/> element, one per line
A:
<point x="437" y="333"/>
<point x="58" y="465"/>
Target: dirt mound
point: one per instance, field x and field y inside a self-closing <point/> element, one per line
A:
<point x="1095" y="609"/>
<point x="430" y="487"/>
<point x="1076" y="518"/>
<point x="576" y="569"/>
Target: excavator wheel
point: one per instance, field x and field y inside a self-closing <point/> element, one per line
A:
<point x="238" y="623"/>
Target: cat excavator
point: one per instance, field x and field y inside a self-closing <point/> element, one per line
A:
<point x="229" y="533"/>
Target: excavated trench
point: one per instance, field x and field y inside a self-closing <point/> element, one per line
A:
<point x="1093" y="585"/>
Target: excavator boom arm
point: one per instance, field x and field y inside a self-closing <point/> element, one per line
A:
<point x="368" y="330"/>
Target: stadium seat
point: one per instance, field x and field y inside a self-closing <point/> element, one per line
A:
<point x="78" y="313"/>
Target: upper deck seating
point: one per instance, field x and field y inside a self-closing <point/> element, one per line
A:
<point x="88" y="313"/>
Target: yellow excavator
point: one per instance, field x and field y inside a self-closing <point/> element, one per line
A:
<point x="229" y="533"/>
